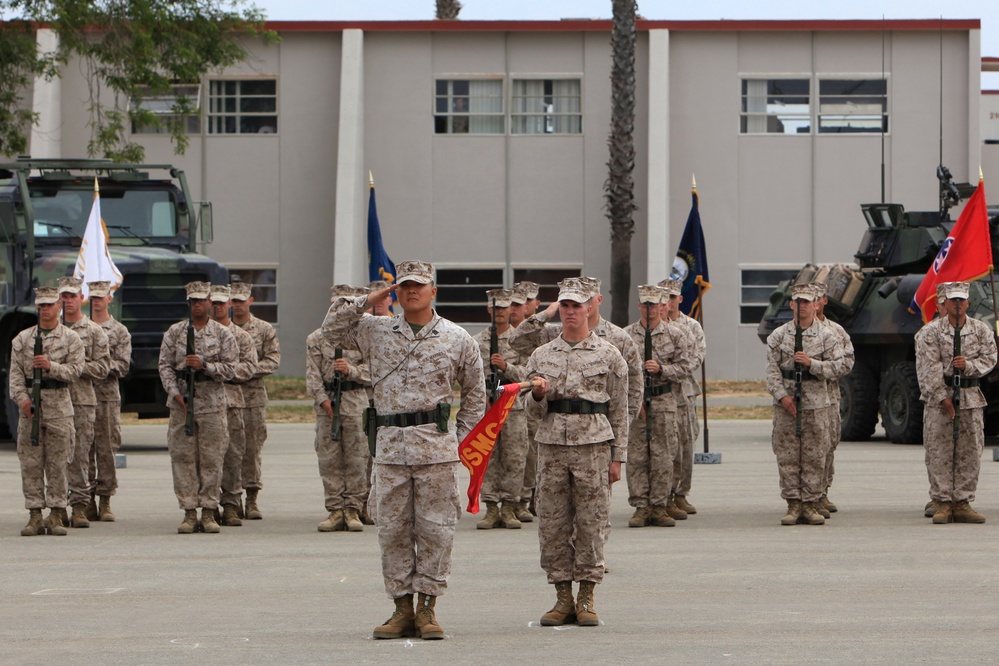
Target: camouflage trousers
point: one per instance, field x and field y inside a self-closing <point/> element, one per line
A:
<point x="573" y="502"/>
<point x="687" y="430"/>
<point x="255" y="426"/>
<point x="102" y="474"/>
<point x="343" y="463"/>
<point x="43" y="467"/>
<point x="953" y="478"/>
<point x="417" y="509"/>
<point x="78" y="470"/>
<point x="232" y="461"/>
<point x="531" y="461"/>
<point x="649" y="469"/>
<point x="505" y="474"/>
<point x="835" y="428"/>
<point x="801" y="460"/>
<point x="197" y="460"/>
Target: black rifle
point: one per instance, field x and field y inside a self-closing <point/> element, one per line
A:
<point x="36" y="391"/>
<point x="798" y="370"/>
<point x="191" y="375"/>
<point x="493" y="381"/>
<point x="647" y="396"/>
<point x="336" y="390"/>
<point x="956" y="385"/>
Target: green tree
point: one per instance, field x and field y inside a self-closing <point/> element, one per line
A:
<point x="448" y="9"/>
<point x="129" y="50"/>
<point x="619" y="189"/>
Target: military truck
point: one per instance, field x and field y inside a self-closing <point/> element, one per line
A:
<point x="152" y="224"/>
<point x="871" y="301"/>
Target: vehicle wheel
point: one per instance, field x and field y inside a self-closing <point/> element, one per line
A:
<point x="858" y="404"/>
<point x="901" y="410"/>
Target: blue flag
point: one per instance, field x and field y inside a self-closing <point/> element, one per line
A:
<point x="691" y="263"/>
<point x="380" y="267"/>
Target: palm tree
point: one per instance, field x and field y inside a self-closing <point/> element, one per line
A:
<point x="448" y="9"/>
<point x="620" y="187"/>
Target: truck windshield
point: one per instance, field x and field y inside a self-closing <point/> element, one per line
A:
<point x="129" y="215"/>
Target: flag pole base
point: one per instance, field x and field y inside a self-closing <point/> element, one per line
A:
<point x="712" y="458"/>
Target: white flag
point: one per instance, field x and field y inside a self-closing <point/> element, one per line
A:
<point x="94" y="263"/>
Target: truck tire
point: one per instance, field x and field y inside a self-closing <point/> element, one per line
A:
<point x="858" y="404"/>
<point x="901" y="409"/>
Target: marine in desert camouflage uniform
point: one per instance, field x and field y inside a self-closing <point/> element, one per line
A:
<point x="196" y="459"/>
<point x="686" y="392"/>
<point x="255" y="393"/>
<point x="107" y="426"/>
<point x="953" y="466"/>
<point x="650" y="458"/>
<point x="505" y="472"/>
<point x="96" y="367"/>
<point x="415" y="359"/>
<point x="524" y="304"/>
<point x="43" y="466"/>
<point x="231" y="495"/>
<point x="801" y="459"/>
<point x="344" y="462"/>
<point x="582" y="400"/>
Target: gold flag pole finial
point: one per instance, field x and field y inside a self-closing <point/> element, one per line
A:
<point x="693" y="182"/>
<point x="981" y="176"/>
<point x="371" y="179"/>
<point x="96" y="186"/>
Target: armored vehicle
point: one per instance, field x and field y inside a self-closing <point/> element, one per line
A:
<point x="871" y="301"/>
<point x="152" y="224"/>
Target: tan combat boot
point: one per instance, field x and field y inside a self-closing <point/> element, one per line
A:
<point x="586" y="615"/>
<point x="508" y="517"/>
<point x="403" y="620"/>
<point x="54" y="523"/>
<point x="659" y="518"/>
<point x="35" y="525"/>
<point x="190" y="522"/>
<point x="208" y="524"/>
<point x="963" y="513"/>
<point x="793" y="512"/>
<point x="366" y="517"/>
<point x="229" y="516"/>
<point x="682" y="503"/>
<point x="930" y="509"/>
<point x="674" y="511"/>
<point x="522" y="512"/>
<point x="821" y="508"/>
<point x="828" y="505"/>
<point x="93" y="515"/>
<point x="333" y="523"/>
<point x="944" y="514"/>
<point x="491" y="519"/>
<point x="105" y="514"/>
<point x="426" y="621"/>
<point x="811" y="515"/>
<point x="80" y="516"/>
<point x="640" y="517"/>
<point x="352" y="520"/>
<point x="564" y="611"/>
<point x="252" y="510"/>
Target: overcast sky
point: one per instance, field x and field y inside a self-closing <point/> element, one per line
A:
<point x="491" y="10"/>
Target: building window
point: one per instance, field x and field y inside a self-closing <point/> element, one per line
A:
<point x="775" y="106"/>
<point x="469" y="106"/>
<point x="158" y="114"/>
<point x="264" y="292"/>
<point x="853" y="106"/>
<point x="546" y="106"/>
<point x="461" y="293"/>
<point x="755" y="287"/>
<point x="547" y="279"/>
<point x="242" y="106"/>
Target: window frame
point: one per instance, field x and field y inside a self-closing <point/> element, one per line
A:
<point x="449" y="115"/>
<point x="443" y="307"/>
<point x="744" y="304"/>
<point x="878" y="78"/>
<point x="514" y="115"/>
<point x="211" y="116"/>
<point x="745" y="116"/>
<point x="169" y="114"/>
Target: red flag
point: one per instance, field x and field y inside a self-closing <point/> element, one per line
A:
<point x="966" y="254"/>
<point x="475" y="450"/>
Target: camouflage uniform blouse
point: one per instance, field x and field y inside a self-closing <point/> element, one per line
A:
<point x="676" y="352"/>
<point x="516" y="365"/>
<point x="829" y="361"/>
<point x="245" y="367"/>
<point x="98" y="363"/>
<point x="935" y="358"/>
<point x="64" y="350"/>
<point x="319" y="358"/>
<point x="218" y="351"/>
<point x="268" y="360"/>
<point x="120" y="355"/>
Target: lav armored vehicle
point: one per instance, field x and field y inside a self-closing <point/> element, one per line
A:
<point x="871" y="301"/>
<point x="152" y="224"/>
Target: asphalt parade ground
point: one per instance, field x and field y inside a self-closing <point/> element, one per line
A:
<point x="878" y="584"/>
